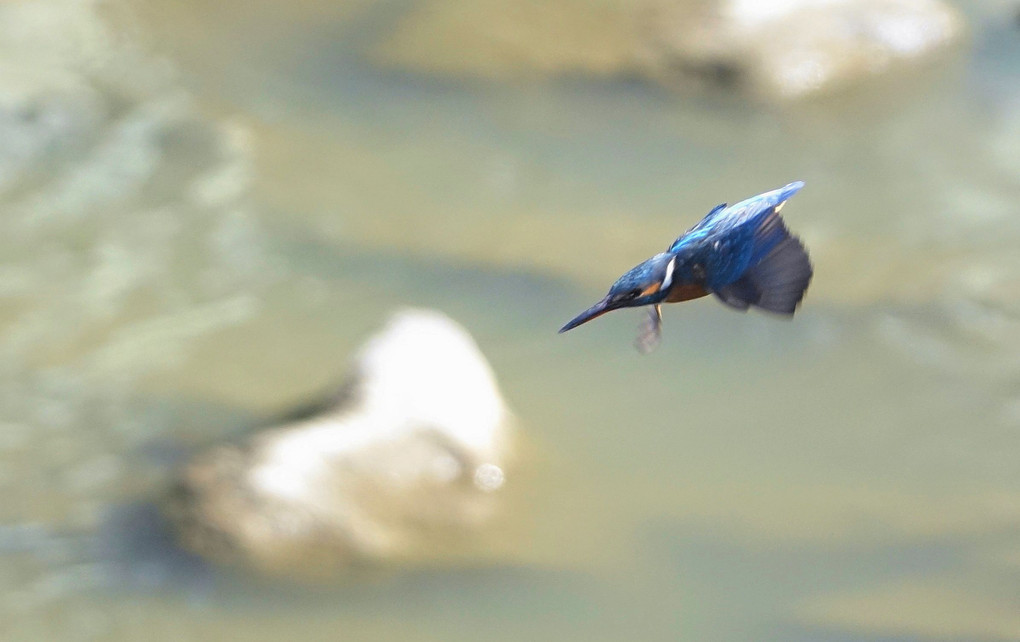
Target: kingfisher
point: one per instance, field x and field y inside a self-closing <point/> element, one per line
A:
<point x="743" y="254"/>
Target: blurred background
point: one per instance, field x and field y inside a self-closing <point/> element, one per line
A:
<point x="207" y="207"/>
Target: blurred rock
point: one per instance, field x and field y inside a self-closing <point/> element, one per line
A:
<point x="793" y="48"/>
<point x="775" y="50"/>
<point x="398" y="471"/>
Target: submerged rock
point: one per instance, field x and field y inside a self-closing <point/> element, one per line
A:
<point x="773" y="50"/>
<point x="406" y="461"/>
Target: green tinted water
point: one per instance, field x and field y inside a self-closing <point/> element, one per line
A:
<point x="849" y="475"/>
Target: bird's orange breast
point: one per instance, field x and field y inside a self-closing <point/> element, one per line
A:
<point x="685" y="292"/>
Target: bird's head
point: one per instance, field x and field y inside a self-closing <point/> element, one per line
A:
<point x="645" y="284"/>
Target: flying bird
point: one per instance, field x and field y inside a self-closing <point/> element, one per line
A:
<point x="743" y="254"/>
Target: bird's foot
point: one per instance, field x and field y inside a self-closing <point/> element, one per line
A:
<point x="651" y="331"/>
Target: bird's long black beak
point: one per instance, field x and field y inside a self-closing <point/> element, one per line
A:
<point x="596" y="310"/>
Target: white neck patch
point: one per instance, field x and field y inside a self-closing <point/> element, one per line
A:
<point x="668" y="279"/>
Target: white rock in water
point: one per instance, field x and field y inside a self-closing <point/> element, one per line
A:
<point x="411" y="455"/>
<point x="794" y="48"/>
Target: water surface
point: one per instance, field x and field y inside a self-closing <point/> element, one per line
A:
<point x="849" y="475"/>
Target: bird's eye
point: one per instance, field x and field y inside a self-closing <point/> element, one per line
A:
<point x="633" y="294"/>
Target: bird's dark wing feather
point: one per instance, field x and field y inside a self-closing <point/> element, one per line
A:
<point x="739" y="295"/>
<point x="777" y="283"/>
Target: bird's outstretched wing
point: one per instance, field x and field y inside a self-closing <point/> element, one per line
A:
<point x="778" y="275"/>
<point x="751" y="211"/>
<point x="747" y="212"/>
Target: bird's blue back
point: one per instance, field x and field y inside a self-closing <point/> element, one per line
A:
<point x="722" y="219"/>
<point x="729" y="239"/>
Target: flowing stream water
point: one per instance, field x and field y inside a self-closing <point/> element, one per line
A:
<point x="852" y="474"/>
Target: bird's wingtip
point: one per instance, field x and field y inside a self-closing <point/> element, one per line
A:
<point x="788" y="190"/>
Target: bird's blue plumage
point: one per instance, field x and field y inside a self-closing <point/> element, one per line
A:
<point x="730" y="239"/>
<point x="743" y="254"/>
<point x="723" y="218"/>
<point x="752" y="210"/>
